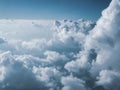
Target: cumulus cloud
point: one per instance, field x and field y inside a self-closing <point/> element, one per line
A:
<point x="101" y="50"/>
<point x="105" y="37"/>
<point x="109" y="79"/>
<point x="79" y="54"/>
<point x="39" y="63"/>
<point x="49" y="76"/>
<point x="71" y="83"/>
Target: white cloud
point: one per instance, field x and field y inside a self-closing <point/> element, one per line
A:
<point x="105" y="37"/>
<point x="76" y="55"/>
<point x="50" y="76"/>
<point x="2" y="73"/>
<point x="72" y="83"/>
<point x="40" y="62"/>
<point x="109" y="79"/>
<point x="26" y="29"/>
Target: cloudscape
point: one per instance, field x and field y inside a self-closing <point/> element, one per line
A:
<point x="55" y="54"/>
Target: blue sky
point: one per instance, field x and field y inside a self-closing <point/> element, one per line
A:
<point x="52" y="9"/>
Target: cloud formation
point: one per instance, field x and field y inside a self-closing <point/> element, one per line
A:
<point x="79" y="55"/>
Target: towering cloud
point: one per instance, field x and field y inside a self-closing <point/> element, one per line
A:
<point x="100" y="57"/>
<point x="106" y="36"/>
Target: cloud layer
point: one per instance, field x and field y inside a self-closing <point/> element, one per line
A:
<point x="79" y="54"/>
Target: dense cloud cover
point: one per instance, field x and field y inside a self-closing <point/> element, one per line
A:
<point x="81" y="55"/>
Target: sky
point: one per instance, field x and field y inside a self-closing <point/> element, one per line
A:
<point x="52" y="9"/>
